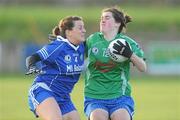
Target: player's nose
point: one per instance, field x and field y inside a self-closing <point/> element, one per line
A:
<point x="84" y="30"/>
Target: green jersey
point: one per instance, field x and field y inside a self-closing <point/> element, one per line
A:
<point x="106" y="79"/>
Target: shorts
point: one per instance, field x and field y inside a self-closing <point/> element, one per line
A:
<point x="40" y="91"/>
<point x="109" y="105"/>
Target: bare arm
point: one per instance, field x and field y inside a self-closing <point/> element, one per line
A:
<point x="126" y="51"/>
<point x="138" y="62"/>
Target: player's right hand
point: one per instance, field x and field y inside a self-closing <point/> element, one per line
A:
<point x="122" y="49"/>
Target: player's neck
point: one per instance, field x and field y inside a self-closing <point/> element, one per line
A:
<point x="110" y="35"/>
<point x="73" y="41"/>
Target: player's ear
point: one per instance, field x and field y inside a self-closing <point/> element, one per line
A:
<point x="68" y="33"/>
<point x="117" y="25"/>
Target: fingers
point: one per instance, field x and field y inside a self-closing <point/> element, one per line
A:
<point x="127" y="45"/>
<point x="33" y="71"/>
<point x="28" y="73"/>
<point x="120" y="43"/>
<point x="115" y="52"/>
<point x="116" y="46"/>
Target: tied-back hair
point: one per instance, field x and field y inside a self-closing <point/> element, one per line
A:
<point x="119" y="17"/>
<point x="65" y="24"/>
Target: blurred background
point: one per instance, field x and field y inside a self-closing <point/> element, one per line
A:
<point x="24" y="28"/>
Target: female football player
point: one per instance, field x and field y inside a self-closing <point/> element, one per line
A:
<point x="62" y="62"/>
<point x="107" y="88"/>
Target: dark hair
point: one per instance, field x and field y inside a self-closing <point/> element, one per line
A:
<point x="119" y="17"/>
<point x="65" y="24"/>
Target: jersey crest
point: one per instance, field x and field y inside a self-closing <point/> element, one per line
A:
<point x="67" y="58"/>
<point x="95" y="50"/>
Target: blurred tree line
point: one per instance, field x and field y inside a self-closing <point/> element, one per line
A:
<point x="27" y="20"/>
<point x="27" y="23"/>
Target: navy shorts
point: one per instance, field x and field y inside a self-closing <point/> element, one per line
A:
<point x="40" y="91"/>
<point x="109" y="105"/>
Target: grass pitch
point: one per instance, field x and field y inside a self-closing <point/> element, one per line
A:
<point x="156" y="98"/>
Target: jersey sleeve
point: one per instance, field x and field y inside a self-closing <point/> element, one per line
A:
<point x="134" y="46"/>
<point x="137" y="50"/>
<point x="48" y="52"/>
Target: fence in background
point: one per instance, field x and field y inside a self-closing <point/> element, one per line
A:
<point x="12" y="56"/>
<point x="163" y="57"/>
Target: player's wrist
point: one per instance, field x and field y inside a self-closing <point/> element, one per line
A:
<point x="130" y="54"/>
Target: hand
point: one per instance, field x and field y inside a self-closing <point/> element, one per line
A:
<point x="122" y="49"/>
<point x="33" y="70"/>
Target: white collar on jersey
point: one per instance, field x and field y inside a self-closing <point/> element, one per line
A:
<point x="60" y="38"/>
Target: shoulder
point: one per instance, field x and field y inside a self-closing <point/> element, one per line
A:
<point x="94" y="35"/>
<point x="127" y="38"/>
<point x="59" y="41"/>
<point x="134" y="45"/>
<point x="130" y="40"/>
<point x="55" y="45"/>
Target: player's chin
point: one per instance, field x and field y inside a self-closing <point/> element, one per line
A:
<point x="103" y="30"/>
<point x="82" y="39"/>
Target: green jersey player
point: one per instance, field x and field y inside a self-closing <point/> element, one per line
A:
<point x="107" y="88"/>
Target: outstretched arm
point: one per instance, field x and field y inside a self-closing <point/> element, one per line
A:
<point x="31" y="60"/>
<point x="30" y="63"/>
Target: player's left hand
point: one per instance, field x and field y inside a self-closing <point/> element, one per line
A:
<point x="122" y="49"/>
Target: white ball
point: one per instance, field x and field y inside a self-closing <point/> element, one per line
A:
<point x="113" y="56"/>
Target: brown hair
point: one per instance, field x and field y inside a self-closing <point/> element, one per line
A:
<point x="119" y="17"/>
<point x="65" y="24"/>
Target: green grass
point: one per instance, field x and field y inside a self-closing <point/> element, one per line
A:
<point x="156" y="98"/>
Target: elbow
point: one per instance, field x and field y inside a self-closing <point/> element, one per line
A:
<point x="142" y="69"/>
<point x="139" y="63"/>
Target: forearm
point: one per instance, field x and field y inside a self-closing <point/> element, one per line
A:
<point x="138" y="62"/>
<point x="31" y="60"/>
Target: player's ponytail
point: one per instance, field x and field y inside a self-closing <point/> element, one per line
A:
<point x="127" y="19"/>
<point x="55" y="33"/>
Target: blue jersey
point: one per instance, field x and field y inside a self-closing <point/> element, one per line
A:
<point x="62" y="63"/>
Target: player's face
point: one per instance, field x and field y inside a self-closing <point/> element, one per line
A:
<point x="108" y="22"/>
<point x="78" y="31"/>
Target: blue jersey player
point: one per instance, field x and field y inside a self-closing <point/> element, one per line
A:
<point x="62" y="62"/>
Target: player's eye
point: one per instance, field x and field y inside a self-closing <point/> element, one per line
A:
<point x="107" y="17"/>
<point x="81" y="27"/>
